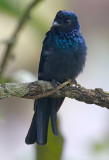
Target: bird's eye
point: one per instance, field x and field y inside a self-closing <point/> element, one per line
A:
<point x="68" y="21"/>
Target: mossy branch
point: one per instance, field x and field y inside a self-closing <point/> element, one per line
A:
<point x="39" y="89"/>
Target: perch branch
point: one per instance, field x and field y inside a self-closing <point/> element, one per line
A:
<point x="39" y="89"/>
<point x="12" y="40"/>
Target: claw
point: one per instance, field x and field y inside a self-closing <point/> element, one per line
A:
<point x="74" y="82"/>
<point x="78" y="85"/>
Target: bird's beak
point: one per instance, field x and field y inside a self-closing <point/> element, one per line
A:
<point x="55" y="23"/>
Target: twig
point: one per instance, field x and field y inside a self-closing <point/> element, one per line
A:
<point x="12" y="40"/>
<point x="54" y="90"/>
<point x="39" y="89"/>
<point x="4" y="41"/>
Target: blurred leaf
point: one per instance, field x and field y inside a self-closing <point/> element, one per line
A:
<point x="5" y="80"/>
<point x="10" y="7"/>
<point x="99" y="147"/>
<point x="53" y="149"/>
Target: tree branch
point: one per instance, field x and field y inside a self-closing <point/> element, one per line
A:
<point x="39" y="89"/>
<point x="12" y="40"/>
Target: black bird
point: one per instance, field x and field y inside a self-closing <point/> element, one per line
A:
<point x="62" y="58"/>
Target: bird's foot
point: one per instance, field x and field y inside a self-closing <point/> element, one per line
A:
<point x="73" y="82"/>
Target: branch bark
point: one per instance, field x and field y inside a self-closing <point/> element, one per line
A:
<point x="12" y="40"/>
<point x="39" y="89"/>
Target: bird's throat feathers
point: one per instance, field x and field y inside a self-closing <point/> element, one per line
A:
<point x="67" y="40"/>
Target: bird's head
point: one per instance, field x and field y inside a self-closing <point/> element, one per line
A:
<point x="65" y="21"/>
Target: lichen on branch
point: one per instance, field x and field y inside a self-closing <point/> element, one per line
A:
<point x="39" y="89"/>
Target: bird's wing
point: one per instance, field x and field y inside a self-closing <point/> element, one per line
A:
<point x="45" y="49"/>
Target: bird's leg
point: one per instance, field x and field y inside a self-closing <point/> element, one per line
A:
<point x="54" y="83"/>
<point x="76" y="84"/>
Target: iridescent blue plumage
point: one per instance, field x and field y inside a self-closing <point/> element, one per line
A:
<point x="63" y="57"/>
<point x="66" y="40"/>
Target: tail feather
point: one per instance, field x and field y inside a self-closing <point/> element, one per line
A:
<point x="44" y="108"/>
<point x="55" y="105"/>
<point x="54" y="117"/>
<point x="32" y="133"/>
<point x="43" y="112"/>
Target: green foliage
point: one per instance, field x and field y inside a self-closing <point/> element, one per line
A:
<point x="5" y="80"/>
<point x="10" y="7"/>
<point x="100" y="147"/>
<point x="53" y="149"/>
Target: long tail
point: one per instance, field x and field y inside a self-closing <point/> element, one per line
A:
<point x="44" y="108"/>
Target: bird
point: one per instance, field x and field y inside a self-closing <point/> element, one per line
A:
<point x="63" y="57"/>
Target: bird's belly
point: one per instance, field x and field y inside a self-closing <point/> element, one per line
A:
<point x="62" y="66"/>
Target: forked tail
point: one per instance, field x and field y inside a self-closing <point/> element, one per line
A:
<point x="44" y="108"/>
